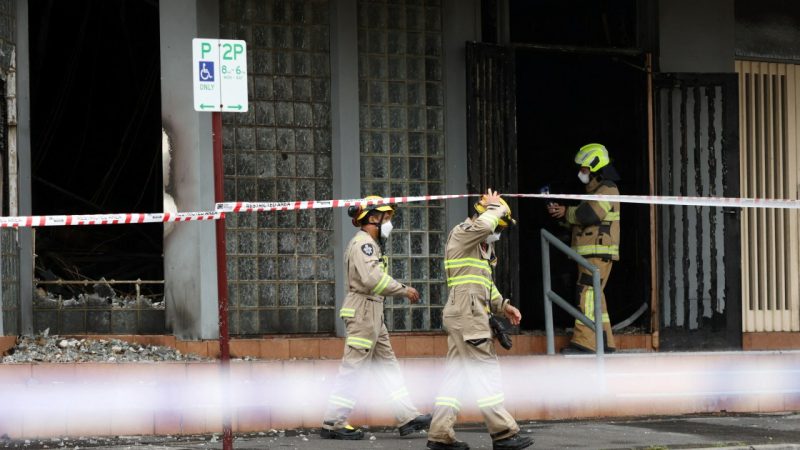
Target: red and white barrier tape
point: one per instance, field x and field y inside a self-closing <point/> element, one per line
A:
<point x="106" y="219"/>
<point x="317" y="204"/>
<point x="732" y="202"/>
<point x="729" y="202"/>
<point x="222" y="208"/>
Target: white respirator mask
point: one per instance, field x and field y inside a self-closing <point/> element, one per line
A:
<point x="494" y="237"/>
<point x="584" y="177"/>
<point x="386" y="229"/>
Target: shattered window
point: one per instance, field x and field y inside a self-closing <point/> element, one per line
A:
<point x="95" y="150"/>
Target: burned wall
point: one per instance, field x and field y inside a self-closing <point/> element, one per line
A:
<point x="696" y="36"/>
<point x="9" y="247"/>
<point x="768" y="29"/>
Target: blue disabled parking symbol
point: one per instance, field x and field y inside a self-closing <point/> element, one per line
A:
<point x="206" y="72"/>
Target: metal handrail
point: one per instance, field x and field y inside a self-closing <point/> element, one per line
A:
<point x="550" y="296"/>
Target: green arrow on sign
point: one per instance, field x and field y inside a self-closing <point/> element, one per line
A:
<point x="204" y="106"/>
<point x="239" y="107"/>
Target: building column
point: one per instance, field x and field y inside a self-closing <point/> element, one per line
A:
<point x="461" y="24"/>
<point x="25" y="203"/>
<point x="190" y="289"/>
<point x="344" y="131"/>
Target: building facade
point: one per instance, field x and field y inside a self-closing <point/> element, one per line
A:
<point x="351" y="98"/>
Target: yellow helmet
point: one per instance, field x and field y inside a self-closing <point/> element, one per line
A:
<point x="504" y="221"/>
<point x="359" y="212"/>
<point x="593" y="156"/>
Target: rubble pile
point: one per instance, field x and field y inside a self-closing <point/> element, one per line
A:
<point x="55" y="349"/>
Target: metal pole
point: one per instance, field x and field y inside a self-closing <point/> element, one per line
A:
<point x="598" y="311"/>
<point x="222" y="283"/>
<point x="548" y="306"/>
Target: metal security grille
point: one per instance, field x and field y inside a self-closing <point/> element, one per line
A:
<point x="769" y="121"/>
<point x="697" y="155"/>
<point x="492" y="143"/>
<point x="9" y="279"/>
<point x="401" y="97"/>
<point x="280" y="265"/>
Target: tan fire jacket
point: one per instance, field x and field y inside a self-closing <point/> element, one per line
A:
<point x="595" y="224"/>
<point x="469" y="276"/>
<point x="367" y="276"/>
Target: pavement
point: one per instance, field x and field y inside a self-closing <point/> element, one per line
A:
<point x="763" y="431"/>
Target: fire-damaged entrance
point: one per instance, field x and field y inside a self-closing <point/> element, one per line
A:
<point x="573" y="73"/>
<point x="567" y="100"/>
<point x="96" y="148"/>
<point x="562" y="100"/>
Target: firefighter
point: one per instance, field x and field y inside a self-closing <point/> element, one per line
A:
<point x="367" y="342"/>
<point x="595" y="236"/>
<point x="471" y="358"/>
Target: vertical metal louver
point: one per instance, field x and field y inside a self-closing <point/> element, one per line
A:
<point x="769" y="122"/>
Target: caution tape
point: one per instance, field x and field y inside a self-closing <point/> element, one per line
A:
<point x="222" y="208"/>
<point x="106" y="219"/>
<point x="733" y="202"/>
<point x="319" y="204"/>
<point x="722" y="202"/>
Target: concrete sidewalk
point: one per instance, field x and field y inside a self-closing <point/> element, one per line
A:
<point x="766" y="431"/>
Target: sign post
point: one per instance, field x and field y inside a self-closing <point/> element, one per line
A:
<point x="219" y="77"/>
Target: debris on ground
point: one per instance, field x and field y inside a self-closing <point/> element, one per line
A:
<point x="56" y="349"/>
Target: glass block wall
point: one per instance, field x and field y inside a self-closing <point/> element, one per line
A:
<point x="9" y="277"/>
<point x="280" y="265"/>
<point x="401" y="97"/>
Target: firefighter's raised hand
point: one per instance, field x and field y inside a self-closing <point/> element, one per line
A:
<point x="412" y="294"/>
<point x="512" y="314"/>
<point x="490" y="197"/>
<point x="556" y="211"/>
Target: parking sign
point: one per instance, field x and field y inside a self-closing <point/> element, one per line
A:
<point x="219" y="75"/>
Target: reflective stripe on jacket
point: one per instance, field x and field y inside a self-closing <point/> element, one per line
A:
<point x="596" y="224"/>
<point x="469" y="275"/>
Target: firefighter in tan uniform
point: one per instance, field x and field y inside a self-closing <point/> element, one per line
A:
<point x="595" y="236"/>
<point x="471" y="359"/>
<point x="367" y="342"/>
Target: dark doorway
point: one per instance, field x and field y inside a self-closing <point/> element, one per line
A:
<point x="564" y="101"/>
<point x="96" y="136"/>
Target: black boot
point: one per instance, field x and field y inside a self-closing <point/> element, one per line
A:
<point x="421" y="422"/>
<point x="515" y="442"/>
<point x="346" y="433"/>
<point x="457" y="445"/>
<point x="574" y="349"/>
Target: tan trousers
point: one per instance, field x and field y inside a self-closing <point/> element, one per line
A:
<point x="583" y="336"/>
<point x="474" y="367"/>
<point x="367" y="347"/>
